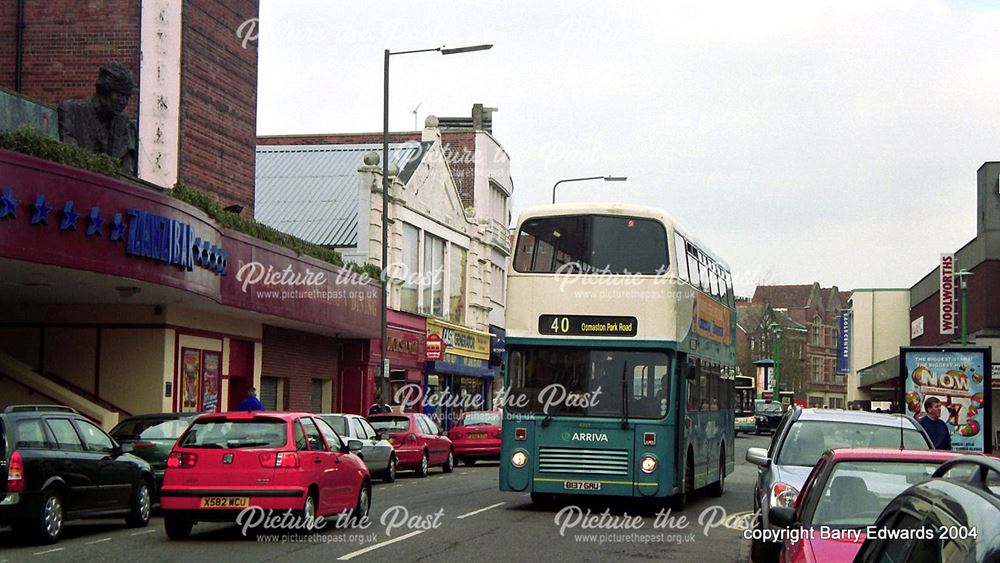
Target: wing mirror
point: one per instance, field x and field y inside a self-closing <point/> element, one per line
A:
<point x="354" y="446"/>
<point x="781" y="516"/>
<point x="758" y="456"/>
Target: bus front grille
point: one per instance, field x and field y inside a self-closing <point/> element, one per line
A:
<point x="582" y="461"/>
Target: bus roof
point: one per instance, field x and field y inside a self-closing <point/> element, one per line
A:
<point x="612" y="208"/>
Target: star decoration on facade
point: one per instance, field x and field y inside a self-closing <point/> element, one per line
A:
<point x="94" y="222"/>
<point x="69" y="216"/>
<point x="8" y="205"/>
<point x="41" y="211"/>
<point x="118" y="228"/>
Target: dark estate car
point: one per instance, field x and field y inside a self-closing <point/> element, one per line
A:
<point x="957" y="513"/>
<point x="767" y="415"/>
<point x="56" y="465"/>
<point x="151" y="437"/>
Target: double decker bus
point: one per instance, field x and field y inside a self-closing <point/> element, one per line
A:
<point x="746" y="393"/>
<point x="620" y="357"/>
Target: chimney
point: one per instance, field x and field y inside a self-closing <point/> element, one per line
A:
<point x="482" y="118"/>
<point x="988" y="208"/>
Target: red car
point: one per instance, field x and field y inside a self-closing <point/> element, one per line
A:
<point x="227" y="462"/>
<point x="417" y="440"/>
<point x="476" y="436"/>
<point x="843" y="495"/>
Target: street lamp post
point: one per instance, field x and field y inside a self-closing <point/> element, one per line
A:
<point x="776" y="356"/>
<point x="608" y="178"/>
<point x="384" y="376"/>
<point x="962" y="283"/>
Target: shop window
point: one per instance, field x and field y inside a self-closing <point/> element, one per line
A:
<point x="432" y="277"/>
<point x="410" y="269"/>
<point x="317" y="395"/>
<point x="269" y="387"/>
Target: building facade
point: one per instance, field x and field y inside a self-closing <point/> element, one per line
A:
<point x="879" y="323"/>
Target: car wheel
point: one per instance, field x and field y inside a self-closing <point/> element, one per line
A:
<point x="422" y="470"/>
<point x="177" y="528"/>
<point x="363" y="505"/>
<point x="449" y="464"/>
<point x="142" y="505"/>
<point x="469" y="461"/>
<point x="50" y="519"/>
<point x="309" y="510"/>
<point x="717" y="488"/>
<point x="390" y="472"/>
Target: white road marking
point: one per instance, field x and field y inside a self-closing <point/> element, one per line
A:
<point x="464" y="473"/>
<point x="50" y="551"/>
<point x="144" y="532"/>
<point x="474" y="512"/>
<point x="354" y="554"/>
<point x="97" y="541"/>
<point x="397" y="485"/>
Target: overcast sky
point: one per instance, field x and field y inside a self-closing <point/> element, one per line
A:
<point x="835" y="142"/>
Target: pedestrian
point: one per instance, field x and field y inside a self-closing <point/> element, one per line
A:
<point x="936" y="428"/>
<point x="250" y="403"/>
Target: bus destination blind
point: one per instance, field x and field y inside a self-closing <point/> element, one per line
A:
<point x="586" y="325"/>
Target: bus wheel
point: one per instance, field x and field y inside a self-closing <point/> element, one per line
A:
<point x="680" y="500"/>
<point x="717" y="488"/>
<point x="542" y="500"/>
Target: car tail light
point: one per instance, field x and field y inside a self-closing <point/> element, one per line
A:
<point x="520" y="434"/>
<point x="182" y="460"/>
<point x="456" y="435"/>
<point x="410" y="438"/>
<point x="15" y="474"/>
<point x="783" y="494"/>
<point x="279" y="459"/>
<point x="496" y="433"/>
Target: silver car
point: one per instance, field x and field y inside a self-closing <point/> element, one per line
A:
<point x="377" y="453"/>
<point x="799" y="441"/>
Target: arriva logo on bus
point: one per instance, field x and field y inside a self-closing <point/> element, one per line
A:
<point x="584" y="437"/>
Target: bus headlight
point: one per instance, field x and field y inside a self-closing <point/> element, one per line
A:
<point x="647" y="464"/>
<point x="519" y="459"/>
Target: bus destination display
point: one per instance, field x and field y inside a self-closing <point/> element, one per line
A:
<point x="586" y="325"/>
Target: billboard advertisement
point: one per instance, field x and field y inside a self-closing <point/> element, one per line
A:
<point x="960" y="378"/>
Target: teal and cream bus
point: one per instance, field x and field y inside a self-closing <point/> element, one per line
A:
<point x="620" y="357"/>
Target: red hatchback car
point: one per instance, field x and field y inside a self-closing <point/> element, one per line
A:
<point x="476" y="436"/>
<point x="227" y="462"/>
<point x="417" y="440"/>
<point x="844" y="494"/>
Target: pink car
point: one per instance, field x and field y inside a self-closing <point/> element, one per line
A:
<point x="843" y="495"/>
<point x="227" y="462"/>
<point x="417" y="440"/>
<point x="477" y="436"/>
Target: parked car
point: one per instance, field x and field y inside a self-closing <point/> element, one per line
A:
<point x="152" y="437"/>
<point x="767" y="415"/>
<point x="378" y="454"/>
<point x="226" y="462"/>
<point x="56" y="466"/>
<point x="417" y="440"/>
<point x="957" y="512"/>
<point x="843" y="496"/>
<point x="476" y="435"/>
<point x="800" y="440"/>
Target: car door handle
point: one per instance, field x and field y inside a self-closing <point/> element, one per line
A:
<point x="317" y="460"/>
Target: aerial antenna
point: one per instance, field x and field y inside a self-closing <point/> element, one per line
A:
<point x="414" y="112"/>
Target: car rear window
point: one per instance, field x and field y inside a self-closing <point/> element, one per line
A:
<point x="339" y="423"/>
<point x="221" y="433"/>
<point x="390" y="423"/>
<point x="151" y="429"/>
<point x="480" y="419"/>
<point x="808" y="439"/>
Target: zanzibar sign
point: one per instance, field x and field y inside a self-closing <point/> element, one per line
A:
<point x="172" y="242"/>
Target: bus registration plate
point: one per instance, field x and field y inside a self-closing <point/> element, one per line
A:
<point x="582" y="485"/>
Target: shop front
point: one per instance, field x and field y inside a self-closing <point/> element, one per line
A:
<point x="405" y="349"/>
<point x="461" y="380"/>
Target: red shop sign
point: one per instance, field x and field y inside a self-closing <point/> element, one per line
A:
<point x="435" y="348"/>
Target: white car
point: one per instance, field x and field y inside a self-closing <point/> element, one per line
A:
<point x="376" y="451"/>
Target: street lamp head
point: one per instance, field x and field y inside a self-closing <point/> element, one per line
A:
<point x="457" y="50"/>
<point x="961" y="275"/>
<point x="610" y="178"/>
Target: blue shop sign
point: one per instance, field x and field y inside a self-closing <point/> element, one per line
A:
<point x="172" y="242"/>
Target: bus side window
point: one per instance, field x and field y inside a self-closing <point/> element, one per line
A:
<point x="681" y="254"/>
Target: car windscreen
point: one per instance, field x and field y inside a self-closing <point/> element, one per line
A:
<point x="390" y="423"/>
<point x="480" y="419"/>
<point x="856" y="491"/>
<point x="151" y="429"/>
<point x="338" y="422"/>
<point x="768" y="408"/>
<point x="808" y="439"/>
<point x="222" y="433"/>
